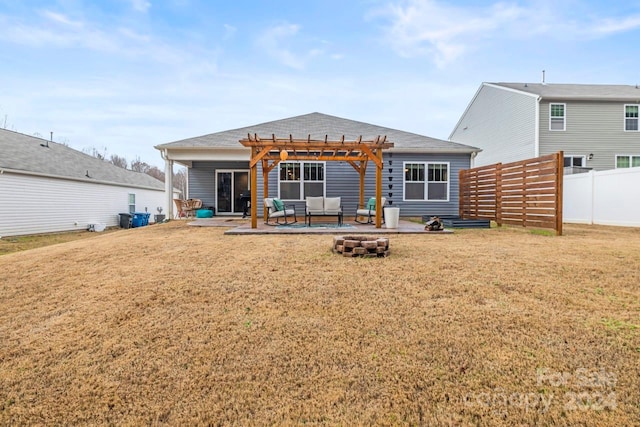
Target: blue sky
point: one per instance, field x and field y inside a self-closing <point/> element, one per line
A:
<point x="126" y="75"/>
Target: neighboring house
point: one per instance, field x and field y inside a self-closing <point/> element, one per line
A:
<point x="48" y="187"/>
<point x="420" y="173"/>
<point x="596" y="126"/>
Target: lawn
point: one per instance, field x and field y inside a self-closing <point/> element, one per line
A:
<point x="170" y="324"/>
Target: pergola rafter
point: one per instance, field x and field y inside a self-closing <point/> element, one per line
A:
<point x="357" y="153"/>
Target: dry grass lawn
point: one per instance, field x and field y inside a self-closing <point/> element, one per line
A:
<point x="171" y="324"/>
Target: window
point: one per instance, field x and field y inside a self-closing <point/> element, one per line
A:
<point x="414" y="181"/>
<point x="426" y="181"/>
<point x="301" y="179"/>
<point x="627" y="161"/>
<point x="557" y="116"/>
<point x="574" y="161"/>
<point x="631" y="117"/>
<point x="132" y="203"/>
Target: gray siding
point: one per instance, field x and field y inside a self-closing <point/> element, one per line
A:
<point x="500" y="122"/>
<point x="202" y="177"/>
<point x="417" y="208"/>
<point x="591" y="128"/>
<point x="343" y="181"/>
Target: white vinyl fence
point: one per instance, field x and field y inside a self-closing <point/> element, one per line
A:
<point x="609" y="197"/>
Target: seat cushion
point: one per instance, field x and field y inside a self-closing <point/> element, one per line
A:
<point x="315" y="205"/>
<point x="282" y="213"/>
<point x="332" y="205"/>
<point x="364" y="212"/>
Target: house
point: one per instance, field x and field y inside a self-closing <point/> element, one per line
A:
<point x="48" y="187"/>
<point x="420" y="174"/>
<point x="596" y="126"/>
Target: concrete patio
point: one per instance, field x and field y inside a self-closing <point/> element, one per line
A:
<point x="240" y="226"/>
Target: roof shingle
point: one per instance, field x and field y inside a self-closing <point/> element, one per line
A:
<point x="36" y="155"/>
<point x="578" y="91"/>
<point x="318" y="125"/>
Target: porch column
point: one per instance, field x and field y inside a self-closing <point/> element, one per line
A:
<point x="168" y="186"/>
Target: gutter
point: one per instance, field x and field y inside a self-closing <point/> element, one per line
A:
<point x="469" y="150"/>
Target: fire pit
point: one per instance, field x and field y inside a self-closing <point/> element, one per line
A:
<point x="363" y="246"/>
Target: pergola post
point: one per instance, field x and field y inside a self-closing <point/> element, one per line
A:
<point x="265" y="183"/>
<point x="254" y="195"/>
<point x="362" y="172"/>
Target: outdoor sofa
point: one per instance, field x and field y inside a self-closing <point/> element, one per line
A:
<point x="323" y="206"/>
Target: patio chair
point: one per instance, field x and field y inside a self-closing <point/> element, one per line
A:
<point x="192" y="205"/>
<point x="277" y="209"/>
<point x="369" y="211"/>
<point x="180" y="204"/>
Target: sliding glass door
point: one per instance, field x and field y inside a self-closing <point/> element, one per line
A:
<point x="230" y="184"/>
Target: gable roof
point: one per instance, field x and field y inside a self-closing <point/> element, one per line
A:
<point x="22" y="153"/>
<point x="318" y="125"/>
<point x="577" y="92"/>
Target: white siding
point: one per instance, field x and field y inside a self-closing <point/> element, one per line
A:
<point x="33" y="204"/>
<point x="591" y="128"/>
<point x="502" y="123"/>
<point x="610" y="197"/>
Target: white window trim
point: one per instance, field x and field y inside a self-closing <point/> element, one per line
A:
<point x="302" y="181"/>
<point x="426" y="182"/>
<point x="129" y="202"/>
<point x="615" y="160"/>
<point x="564" y="121"/>
<point x="584" y="159"/>
<point x="624" y="118"/>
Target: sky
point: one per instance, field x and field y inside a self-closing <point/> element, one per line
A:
<point x="122" y="76"/>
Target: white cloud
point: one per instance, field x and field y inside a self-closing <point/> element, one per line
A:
<point x="229" y="31"/>
<point x="58" y="31"/>
<point x="133" y="35"/>
<point x="275" y="40"/>
<point x="141" y="5"/>
<point x="441" y="31"/>
<point x="285" y="44"/>
<point x="444" y="33"/>
<point x="611" y="26"/>
<point x="61" y="19"/>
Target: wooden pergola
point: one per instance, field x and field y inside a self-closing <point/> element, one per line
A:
<point x="357" y="153"/>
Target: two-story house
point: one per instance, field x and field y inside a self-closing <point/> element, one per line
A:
<point x="596" y="126"/>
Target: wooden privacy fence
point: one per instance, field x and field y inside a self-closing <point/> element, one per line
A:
<point x="526" y="193"/>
